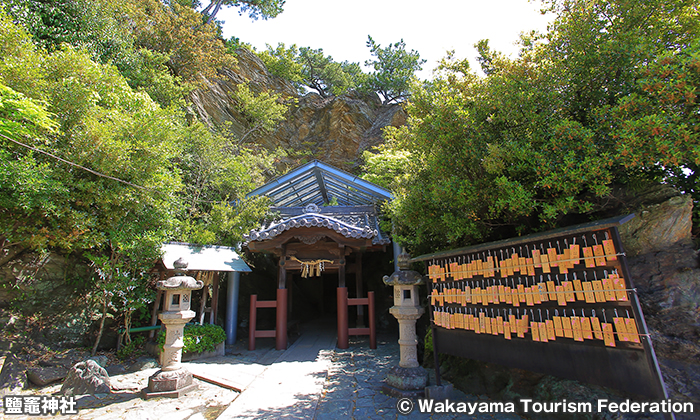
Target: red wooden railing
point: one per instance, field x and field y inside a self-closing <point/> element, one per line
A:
<point x="343" y="330"/>
<point x="280" y="331"/>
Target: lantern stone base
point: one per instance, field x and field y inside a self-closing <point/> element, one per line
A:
<point x="441" y="392"/>
<point x="406" y="382"/>
<point x="170" y="384"/>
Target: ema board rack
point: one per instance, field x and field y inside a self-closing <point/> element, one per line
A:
<point x="559" y="302"/>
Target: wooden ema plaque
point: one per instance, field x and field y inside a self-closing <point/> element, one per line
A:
<point x="560" y="302"/>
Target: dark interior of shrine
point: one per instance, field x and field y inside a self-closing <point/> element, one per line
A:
<point x="312" y="298"/>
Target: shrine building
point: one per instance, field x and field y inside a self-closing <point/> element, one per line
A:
<point x="326" y="221"/>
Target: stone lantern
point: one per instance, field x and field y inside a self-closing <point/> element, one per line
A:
<point x="173" y="380"/>
<point x="409" y="378"/>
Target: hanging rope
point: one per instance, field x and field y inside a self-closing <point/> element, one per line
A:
<point x="311" y="268"/>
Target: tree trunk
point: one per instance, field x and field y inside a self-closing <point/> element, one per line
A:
<point x="215" y="11"/>
<point x="127" y="327"/>
<point x="102" y="324"/>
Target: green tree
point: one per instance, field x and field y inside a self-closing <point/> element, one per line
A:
<point x="394" y="67"/>
<point x="28" y="187"/>
<point x="606" y="98"/>
<point x="218" y="172"/>
<point x="284" y="62"/>
<point x="90" y="163"/>
<point x="262" y="111"/>
<point x="388" y="165"/>
<point x="100" y="179"/>
<point x="194" y="49"/>
<point x="309" y="68"/>
<point x="97" y="26"/>
<point x="256" y="9"/>
<point x="105" y="30"/>
<point x="325" y="76"/>
<point x="123" y="265"/>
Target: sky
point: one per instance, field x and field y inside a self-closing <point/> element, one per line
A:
<point x="341" y="28"/>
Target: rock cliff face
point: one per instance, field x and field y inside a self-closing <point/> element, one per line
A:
<point x="335" y="130"/>
<point x="664" y="268"/>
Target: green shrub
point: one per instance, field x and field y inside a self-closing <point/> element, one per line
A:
<point x="128" y="350"/>
<point x="198" y="338"/>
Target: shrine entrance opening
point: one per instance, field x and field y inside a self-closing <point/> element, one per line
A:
<point x="314" y="297"/>
<point x="320" y="247"/>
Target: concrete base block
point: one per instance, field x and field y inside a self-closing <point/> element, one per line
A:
<point x="146" y="394"/>
<point x="441" y="392"/>
<point x="171" y="384"/>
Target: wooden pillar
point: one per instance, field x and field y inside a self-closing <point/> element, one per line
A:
<point x="252" y="321"/>
<point x="342" y="296"/>
<point x="372" y="321"/>
<point x="358" y="290"/>
<point x="281" y="324"/>
<point x="341" y="269"/>
<point x="214" y="299"/>
<point x="342" y="303"/>
<point x="282" y="274"/>
<point x="290" y="293"/>
<point x="281" y="318"/>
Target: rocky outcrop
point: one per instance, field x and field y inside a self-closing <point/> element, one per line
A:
<point x="657" y="227"/>
<point x="335" y="130"/>
<point x="664" y="268"/>
<point x="668" y="284"/>
<point x="40" y="283"/>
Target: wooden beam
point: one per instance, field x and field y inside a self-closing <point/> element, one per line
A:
<point x="219" y="382"/>
<point x="290" y="235"/>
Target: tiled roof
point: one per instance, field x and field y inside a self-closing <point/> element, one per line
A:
<point x="349" y="221"/>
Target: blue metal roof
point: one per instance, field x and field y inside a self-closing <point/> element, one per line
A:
<point x="318" y="183"/>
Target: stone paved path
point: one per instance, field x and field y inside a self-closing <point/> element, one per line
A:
<point x="291" y="386"/>
<point x="310" y="380"/>
<point x="353" y="386"/>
